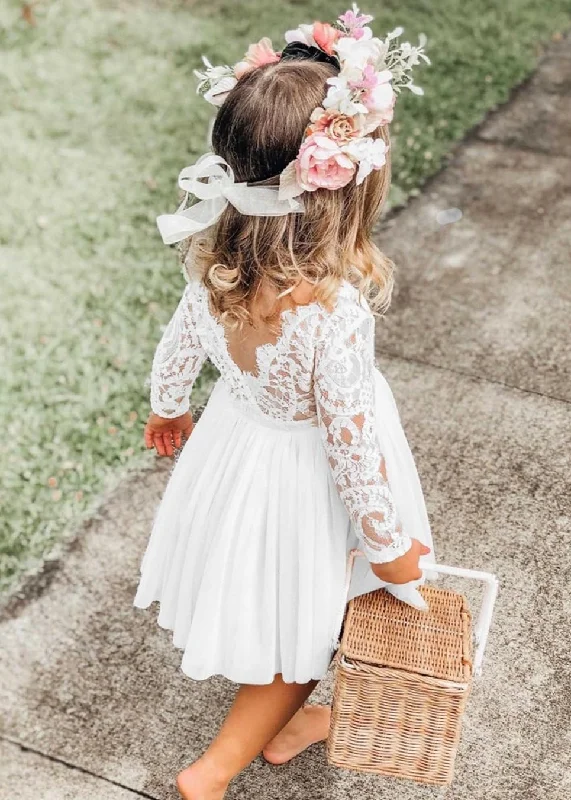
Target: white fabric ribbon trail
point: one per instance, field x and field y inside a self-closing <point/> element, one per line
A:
<point x="211" y="179"/>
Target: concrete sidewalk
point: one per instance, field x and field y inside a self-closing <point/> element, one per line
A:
<point x="476" y="348"/>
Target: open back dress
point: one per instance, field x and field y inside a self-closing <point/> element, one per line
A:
<point x="288" y="468"/>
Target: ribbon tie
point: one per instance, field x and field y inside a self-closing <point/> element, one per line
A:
<point x="211" y="179"/>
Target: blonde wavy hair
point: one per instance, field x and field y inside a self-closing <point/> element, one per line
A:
<point x="258" y="131"/>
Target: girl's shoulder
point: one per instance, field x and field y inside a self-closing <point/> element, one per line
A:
<point x="196" y="292"/>
<point x="350" y="305"/>
<point x="349" y="296"/>
<point x="350" y="313"/>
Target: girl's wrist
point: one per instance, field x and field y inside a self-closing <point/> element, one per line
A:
<point x="386" y="555"/>
<point x="170" y="416"/>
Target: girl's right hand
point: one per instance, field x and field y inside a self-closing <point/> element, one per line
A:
<point x="403" y="569"/>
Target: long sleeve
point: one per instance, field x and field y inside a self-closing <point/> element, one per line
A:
<point x="177" y="362"/>
<point x="344" y="392"/>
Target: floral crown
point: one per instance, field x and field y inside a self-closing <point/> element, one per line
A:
<point x="337" y="142"/>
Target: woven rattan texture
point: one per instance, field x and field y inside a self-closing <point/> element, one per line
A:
<point x="381" y="630"/>
<point x="392" y="722"/>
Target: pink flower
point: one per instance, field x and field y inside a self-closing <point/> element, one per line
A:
<point x="354" y="23"/>
<point x="358" y="33"/>
<point x="335" y="125"/>
<point x="258" y="54"/>
<point x="368" y="80"/>
<point x="321" y="164"/>
<point x="325" y="36"/>
<point x="378" y="97"/>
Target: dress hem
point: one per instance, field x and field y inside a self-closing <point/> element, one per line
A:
<point x="228" y="677"/>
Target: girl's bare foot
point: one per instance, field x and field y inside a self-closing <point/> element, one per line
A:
<point x="201" y="781"/>
<point x="309" y="725"/>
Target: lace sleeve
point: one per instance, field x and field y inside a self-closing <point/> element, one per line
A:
<point x="344" y="393"/>
<point x="177" y="362"/>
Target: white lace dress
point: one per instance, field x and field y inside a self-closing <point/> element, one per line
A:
<point x="286" y="470"/>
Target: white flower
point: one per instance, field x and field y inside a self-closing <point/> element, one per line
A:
<point x="410" y="54"/>
<point x="341" y="97"/>
<point x="215" y="82"/>
<point x="302" y="34"/>
<point x="369" y="153"/>
<point x="212" y="74"/>
<point x="217" y="93"/>
<point x="358" y="54"/>
<point x="350" y="74"/>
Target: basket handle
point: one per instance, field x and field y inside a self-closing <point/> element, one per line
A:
<point x="482" y="627"/>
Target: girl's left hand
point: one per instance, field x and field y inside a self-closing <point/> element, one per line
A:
<point x="166" y="434"/>
<point x="405" y="568"/>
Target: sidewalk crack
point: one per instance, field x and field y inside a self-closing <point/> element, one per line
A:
<point x="56" y="760"/>
<point x="381" y="353"/>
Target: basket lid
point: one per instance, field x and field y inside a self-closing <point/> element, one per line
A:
<point x="379" y="629"/>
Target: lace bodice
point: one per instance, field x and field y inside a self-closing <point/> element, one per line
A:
<point x="320" y="371"/>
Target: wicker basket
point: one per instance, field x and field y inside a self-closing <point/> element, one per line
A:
<point x="402" y="680"/>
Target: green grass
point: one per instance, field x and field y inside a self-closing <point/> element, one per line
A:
<point x="98" y="114"/>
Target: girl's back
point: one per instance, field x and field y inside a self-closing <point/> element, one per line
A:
<point x="272" y="375"/>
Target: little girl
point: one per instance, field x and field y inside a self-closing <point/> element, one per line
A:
<point x="299" y="455"/>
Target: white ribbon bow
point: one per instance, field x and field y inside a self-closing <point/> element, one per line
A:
<point x="215" y="194"/>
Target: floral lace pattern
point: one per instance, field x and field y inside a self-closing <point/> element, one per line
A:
<point x="177" y="362"/>
<point x="345" y="396"/>
<point x="319" y="371"/>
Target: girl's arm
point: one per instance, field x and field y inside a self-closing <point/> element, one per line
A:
<point x="345" y="398"/>
<point x="177" y="361"/>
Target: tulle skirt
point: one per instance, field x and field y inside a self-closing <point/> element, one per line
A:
<point x="248" y="551"/>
